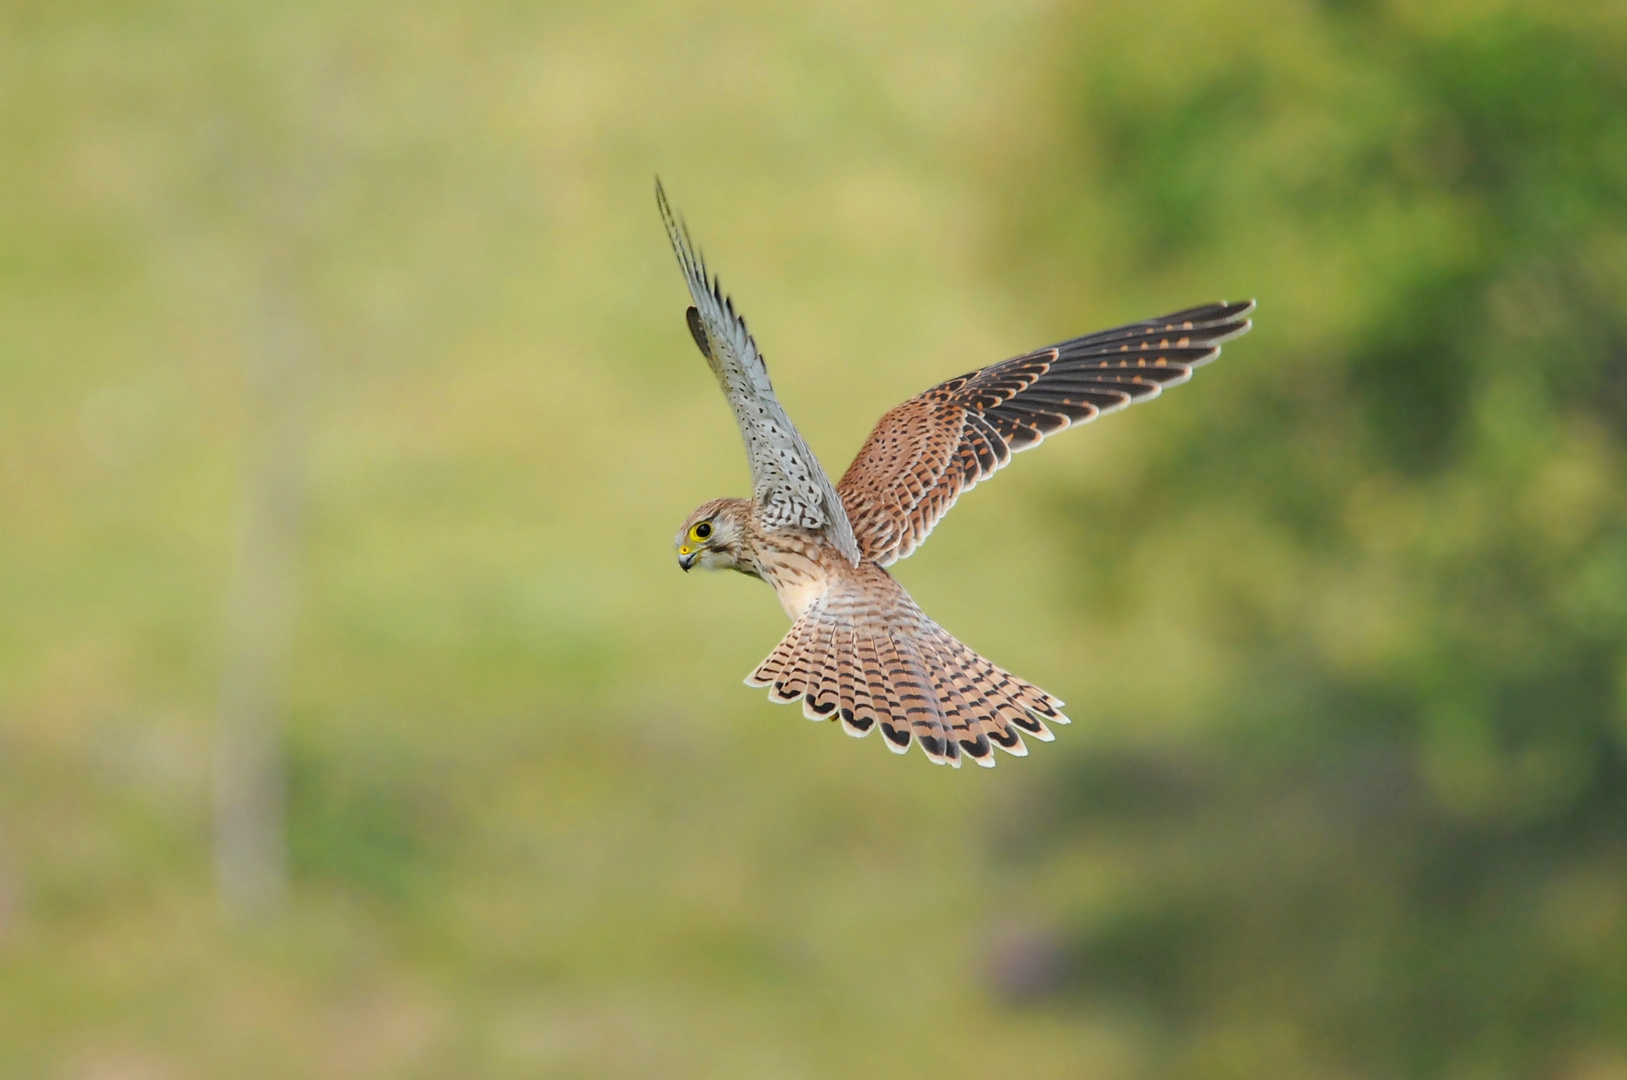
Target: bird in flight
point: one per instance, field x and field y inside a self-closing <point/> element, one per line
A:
<point x="859" y="649"/>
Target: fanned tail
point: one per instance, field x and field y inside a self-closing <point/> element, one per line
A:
<point x="866" y="655"/>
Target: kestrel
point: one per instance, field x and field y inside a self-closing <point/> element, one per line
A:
<point x="859" y="649"/>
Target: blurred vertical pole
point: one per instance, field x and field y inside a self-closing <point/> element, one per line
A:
<point x="285" y="168"/>
<point x="250" y="849"/>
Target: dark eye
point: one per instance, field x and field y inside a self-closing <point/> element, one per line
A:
<point x="703" y="530"/>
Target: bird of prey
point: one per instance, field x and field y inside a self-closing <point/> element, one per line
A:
<point x="859" y="649"/>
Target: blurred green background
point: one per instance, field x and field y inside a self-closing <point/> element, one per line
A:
<point x="349" y="413"/>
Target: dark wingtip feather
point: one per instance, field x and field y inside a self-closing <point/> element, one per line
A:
<point x="1237" y="315"/>
<point x="690" y="260"/>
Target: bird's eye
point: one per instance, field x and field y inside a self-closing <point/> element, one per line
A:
<point x="703" y="530"/>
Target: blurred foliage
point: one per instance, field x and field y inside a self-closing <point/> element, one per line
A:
<point x="1400" y="848"/>
<point x="1343" y="624"/>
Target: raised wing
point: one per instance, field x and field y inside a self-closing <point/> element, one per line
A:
<point x="787" y="482"/>
<point x="928" y="450"/>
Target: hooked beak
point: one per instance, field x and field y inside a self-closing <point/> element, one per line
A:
<point x="686" y="557"/>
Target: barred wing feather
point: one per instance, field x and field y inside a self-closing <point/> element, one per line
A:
<point x="924" y="453"/>
<point x="787" y="482"/>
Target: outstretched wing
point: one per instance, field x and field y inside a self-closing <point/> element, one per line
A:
<point x="928" y="450"/>
<point x="787" y="482"/>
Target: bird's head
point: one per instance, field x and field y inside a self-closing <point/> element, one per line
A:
<point x="714" y="537"/>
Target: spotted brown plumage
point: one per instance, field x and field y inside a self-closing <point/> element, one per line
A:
<point x="861" y="652"/>
<point x="787" y="482"/>
<point x="924" y="453"/>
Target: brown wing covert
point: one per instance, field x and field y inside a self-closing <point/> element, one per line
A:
<point x="925" y="452"/>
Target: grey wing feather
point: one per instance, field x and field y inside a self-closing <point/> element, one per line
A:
<point x="787" y="482"/>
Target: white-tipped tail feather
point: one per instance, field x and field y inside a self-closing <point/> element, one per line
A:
<point x="866" y="655"/>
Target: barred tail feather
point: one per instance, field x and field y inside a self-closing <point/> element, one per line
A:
<point x="865" y="655"/>
<point x="801" y="674"/>
<point x="852" y="694"/>
<point x="872" y="708"/>
<point x="904" y="696"/>
<point x="772" y="667"/>
<point x="822" y="697"/>
<point x="967" y="707"/>
<point x="819" y="664"/>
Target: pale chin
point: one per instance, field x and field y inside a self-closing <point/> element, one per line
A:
<point x="714" y="560"/>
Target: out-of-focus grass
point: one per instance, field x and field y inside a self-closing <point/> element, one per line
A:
<point x="535" y="825"/>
